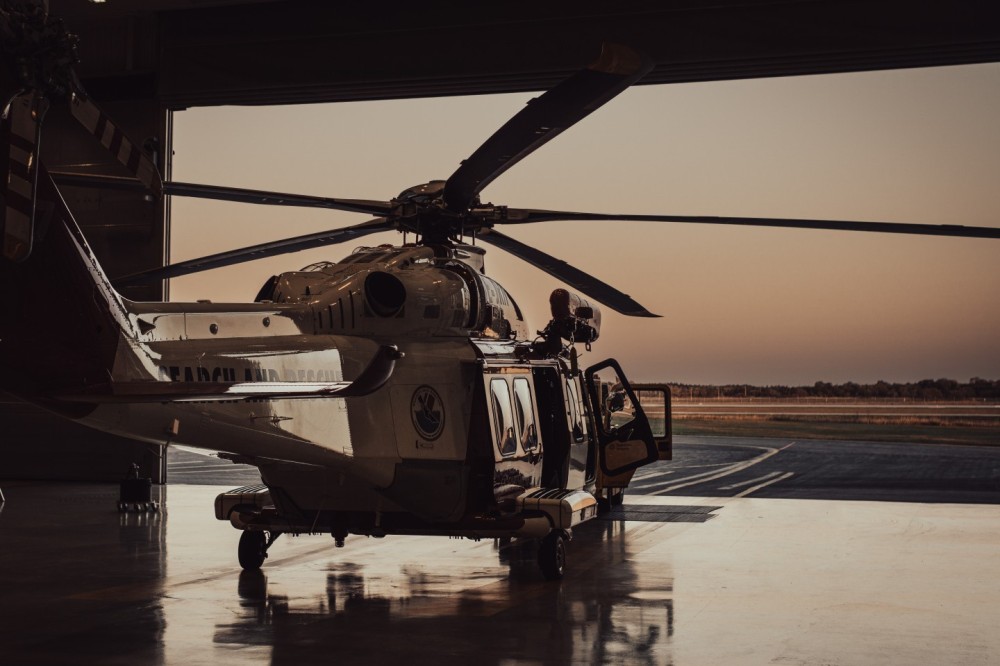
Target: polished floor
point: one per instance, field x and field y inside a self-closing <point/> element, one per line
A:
<point x="753" y="581"/>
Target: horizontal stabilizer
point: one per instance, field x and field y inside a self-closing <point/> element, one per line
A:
<point x="371" y="379"/>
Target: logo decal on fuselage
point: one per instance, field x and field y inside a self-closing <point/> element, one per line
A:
<point x="427" y="411"/>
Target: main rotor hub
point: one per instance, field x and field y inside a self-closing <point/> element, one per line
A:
<point x="425" y="193"/>
<point x="421" y="209"/>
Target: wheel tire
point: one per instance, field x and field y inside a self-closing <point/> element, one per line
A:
<point x="252" y="551"/>
<point x="552" y="556"/>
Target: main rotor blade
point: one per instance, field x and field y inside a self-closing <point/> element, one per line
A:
<point x="253" y="252"/>
<point x="616" y="69"/>
<point x="559" y="269"/>
<point x="529" y="215"/>
<point x="223" y="193"/>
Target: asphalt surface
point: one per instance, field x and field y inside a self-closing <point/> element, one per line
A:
<point x="187" y="466"/>
<point x="828" y="470"/>
<point x="754" y="467"/>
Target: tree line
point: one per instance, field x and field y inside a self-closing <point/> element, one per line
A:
<point x="924" y="390"/>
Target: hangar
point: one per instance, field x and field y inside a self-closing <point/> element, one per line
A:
<point x="145" y="59"/>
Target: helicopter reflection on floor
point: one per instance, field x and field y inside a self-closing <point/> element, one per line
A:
<point x="499" y="614"/>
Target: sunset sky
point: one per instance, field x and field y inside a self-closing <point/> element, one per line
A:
<point x="739" y="305"/>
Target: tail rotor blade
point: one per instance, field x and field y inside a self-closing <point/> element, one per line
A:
<point x="22" y="128"/>
<point x="114" y="140"/>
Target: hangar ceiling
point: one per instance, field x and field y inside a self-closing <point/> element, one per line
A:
<point x="204" y="52"/>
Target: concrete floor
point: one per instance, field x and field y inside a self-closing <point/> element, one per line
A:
<point x="765" y="581"/>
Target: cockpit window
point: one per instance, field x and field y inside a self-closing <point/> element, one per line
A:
<point x="495" y="293"/>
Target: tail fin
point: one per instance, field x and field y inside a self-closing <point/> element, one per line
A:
<point x="61" y="322"/>
<point x="21" y="127"/>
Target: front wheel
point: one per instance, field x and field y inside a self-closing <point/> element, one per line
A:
<point x="552" y="556"/>
<point x="253" y="550"/>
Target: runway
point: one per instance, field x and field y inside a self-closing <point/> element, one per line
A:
<point x="735" y="566"/>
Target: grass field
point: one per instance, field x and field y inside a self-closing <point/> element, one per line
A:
<point x="946" y="423"/>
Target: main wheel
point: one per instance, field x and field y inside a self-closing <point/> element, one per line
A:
<point x="253" y="549"/>
<point x="552" y="556"/>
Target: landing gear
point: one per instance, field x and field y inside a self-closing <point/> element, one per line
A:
<point x="552" y="556"/>
<point x="339" y="533"/>
<point x="612" y="498"/>
<point x="253" y="548"/>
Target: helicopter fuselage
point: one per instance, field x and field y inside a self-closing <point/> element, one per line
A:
<point x="455" y="431"/>
<point x="472" y="421"/>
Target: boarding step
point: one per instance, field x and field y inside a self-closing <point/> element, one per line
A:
<point x="255" y="498"/>
<point x="564" y="508"/>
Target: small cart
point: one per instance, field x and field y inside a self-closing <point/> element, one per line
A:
<point x="136" y="494"/>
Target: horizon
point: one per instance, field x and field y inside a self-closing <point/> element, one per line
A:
<point x="762" y="306"/>
<point x="967" y="382"/>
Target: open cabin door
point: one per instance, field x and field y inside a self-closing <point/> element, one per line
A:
<point x="625" y="436"/>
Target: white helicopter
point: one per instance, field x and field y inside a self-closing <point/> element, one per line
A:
<point x="397" y="391"/>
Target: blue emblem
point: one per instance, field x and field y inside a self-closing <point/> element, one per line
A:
<point x="427" y="410"/>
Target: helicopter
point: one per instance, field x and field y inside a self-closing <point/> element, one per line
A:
<point x="396" y="391"/>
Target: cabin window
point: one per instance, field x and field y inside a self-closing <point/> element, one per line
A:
<point x="503" y="417"/>
<point x="525" y="412"/>
<point x="574" y="411"/>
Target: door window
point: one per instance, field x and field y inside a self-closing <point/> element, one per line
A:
<point x="503" y="418"/>
<point x="525" y="412"/>
<point x="626" y="439"/>
<point x="575" y="411"/>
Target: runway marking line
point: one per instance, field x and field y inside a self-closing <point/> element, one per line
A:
<point x="765" y="484"/>
<point x="695" y="479"/>
<point x="734" y="486"/>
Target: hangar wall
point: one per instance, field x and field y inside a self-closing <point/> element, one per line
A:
<point x="128" y="232"/>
